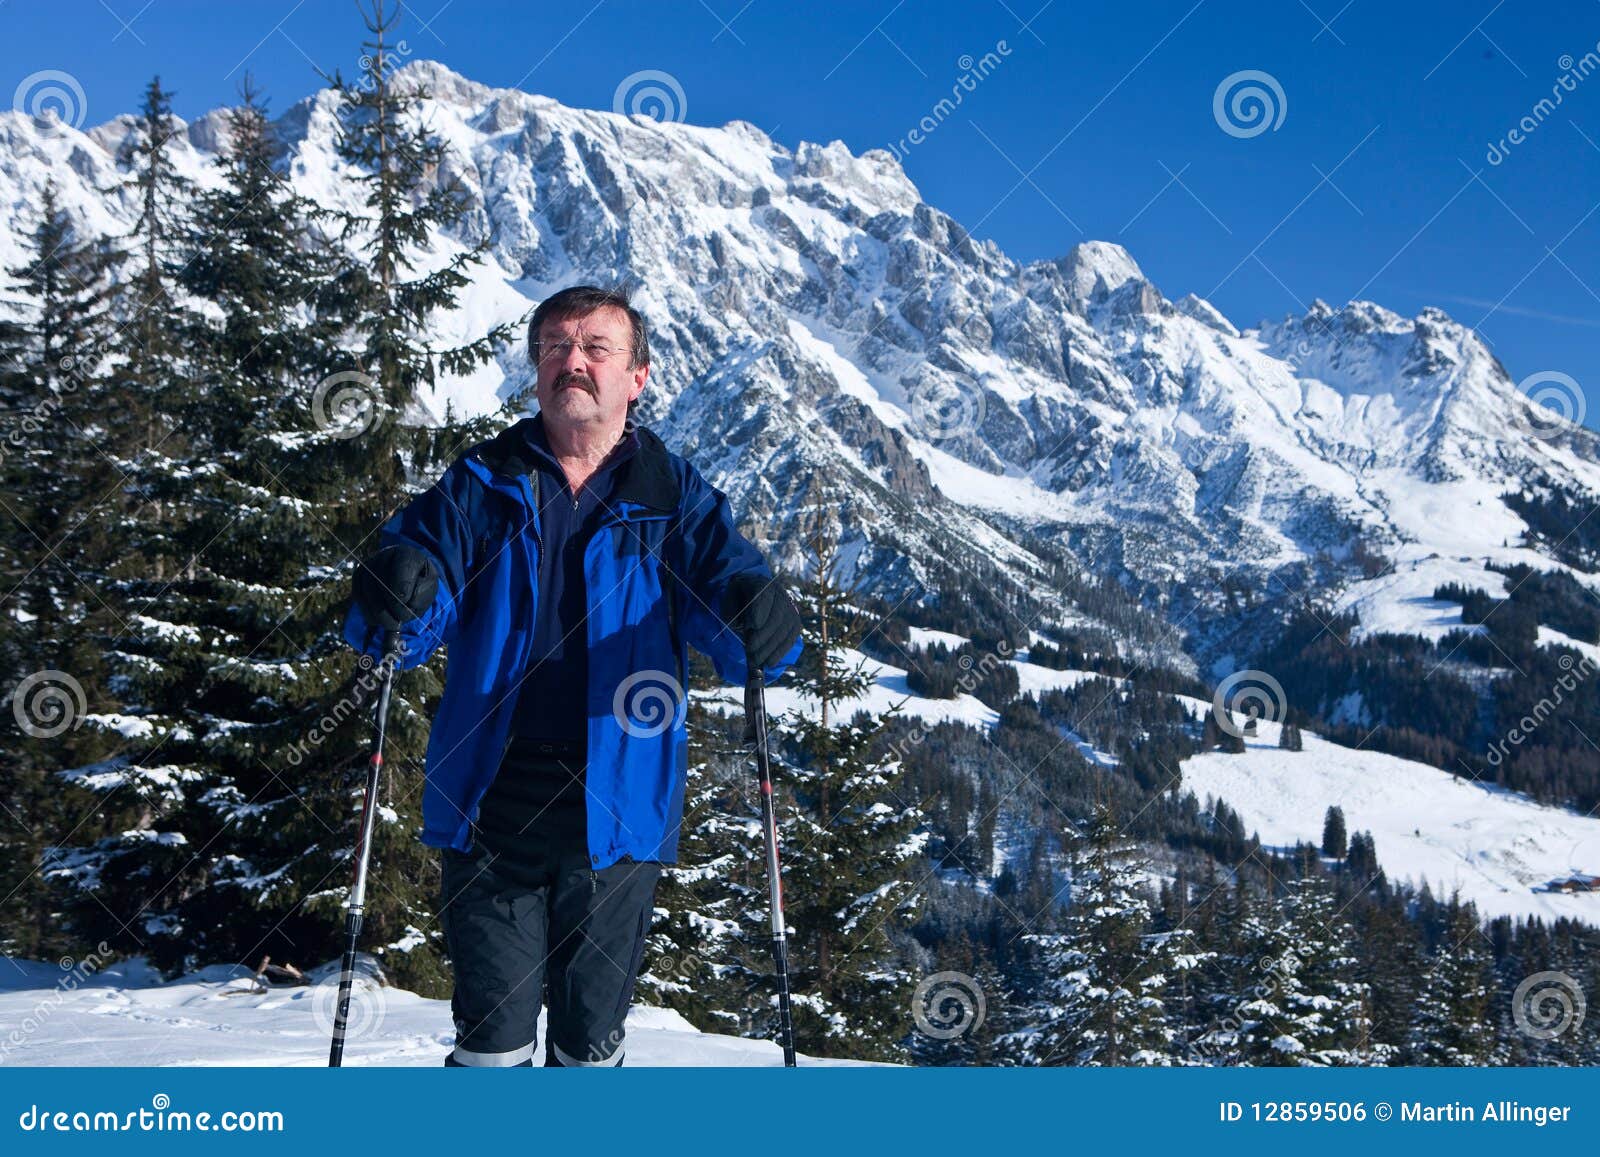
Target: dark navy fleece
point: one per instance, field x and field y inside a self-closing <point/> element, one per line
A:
<point x="552" y="703"/>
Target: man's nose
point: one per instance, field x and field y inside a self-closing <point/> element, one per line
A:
<point x="572" y="359"/>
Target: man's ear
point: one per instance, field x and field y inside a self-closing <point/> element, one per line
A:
<point x="640" y="375"/>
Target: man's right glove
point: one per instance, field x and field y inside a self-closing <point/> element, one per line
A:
<point x="760" y="613"/>
<point x="395" y="586"/>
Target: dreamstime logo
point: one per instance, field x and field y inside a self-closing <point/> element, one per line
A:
<point x="1547" y="1004"/>
<point x="1248" y="103"/>
<point x="372" y="75"/>
<point x="53" y="97"/>
<point x="668" y="966"/>
<point x="1565" y="683"/>
<point x="946" y="409"/>
<point x="345" y="404"/>
<point x="947" y="1004"/>
<point x="648" y="703"/>
<point x="1573" y="73"/>
<point x="372" y="674"/>
<point x="1557" y="401"/>
<point x="1256" y="693"/>
<point x="369" y="1003"/>
<point x="1221" y="1039"/>
<point x="47" y="703"/>
<point x="973" y="73"/>
<point x="652" y="93"/>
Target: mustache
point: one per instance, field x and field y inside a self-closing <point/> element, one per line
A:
<point x="574" y="379"/>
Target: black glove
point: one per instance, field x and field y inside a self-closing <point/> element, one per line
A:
<point x="760" y="613"/>
<point x="395" y="586"/>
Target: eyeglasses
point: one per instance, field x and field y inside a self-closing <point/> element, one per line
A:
<point x="593" y="351"/>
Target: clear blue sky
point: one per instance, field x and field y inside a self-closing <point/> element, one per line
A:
<point x="1097" y="123"/>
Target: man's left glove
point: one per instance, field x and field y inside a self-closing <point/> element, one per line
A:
<point x="760" y="613"/>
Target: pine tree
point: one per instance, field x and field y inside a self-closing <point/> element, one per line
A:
<point x="377" y="454"/>
<point x="1289" y="738"/>
<point x="1334" y="840"/>
<point x="1312" y="1010"/>
<point x="709" y="955"/>
<point x="54" y="475"/>
<point x="155" y="390"/>
<point x="849" y="833"/>
<point x="1110" y="972"/>
<point x="1454" y="1004"/>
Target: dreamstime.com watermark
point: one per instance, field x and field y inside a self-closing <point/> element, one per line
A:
<point x="651" y="93"/>
<point x="1573" y="73"/>
<point x="21" y="431"/>
<point x="1253" y="692"/>
<point x="1529" y="723"/>
<point x="973" y="72"/>
<point x="160" y="1117"/>
<point x="372" y="674"/>
<point x="647" y="703"/>
<point x="75" y="972"/>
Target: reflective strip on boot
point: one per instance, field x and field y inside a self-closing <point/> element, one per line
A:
<point x="469" y="1059"/>
<point x="570" y="1061"/>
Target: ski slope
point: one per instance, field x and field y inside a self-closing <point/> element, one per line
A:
<point x="1498" y="847"/>
<point x="124" y="1015"/>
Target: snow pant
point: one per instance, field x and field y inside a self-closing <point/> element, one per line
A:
<point x="528" y="921"/>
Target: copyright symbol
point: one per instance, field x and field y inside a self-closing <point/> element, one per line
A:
<point x="1382" y="1111"/>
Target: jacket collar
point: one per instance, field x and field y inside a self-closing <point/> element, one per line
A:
<point x="645" y="477"/>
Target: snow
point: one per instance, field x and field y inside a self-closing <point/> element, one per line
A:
<point x="1402" y="602"/>
<point x="123" y="1015"/>
<point x="927" y="637"/>
<point x="888" y="688"/>
<point x="1496" y="846"/>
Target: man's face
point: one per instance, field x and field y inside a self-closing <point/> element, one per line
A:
<point x="578" y="385"/>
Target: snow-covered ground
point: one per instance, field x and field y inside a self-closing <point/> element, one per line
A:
<point x="124" y="1015"/>
<point x="1496" y="846"/>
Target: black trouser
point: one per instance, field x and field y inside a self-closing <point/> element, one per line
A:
<point x="525" y="916"/>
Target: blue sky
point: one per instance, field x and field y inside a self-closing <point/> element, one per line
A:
<point x="1097" y="121"/>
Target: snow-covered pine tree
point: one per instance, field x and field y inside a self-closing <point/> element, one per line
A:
<point x="1454" y="1004"/>
<point x="155" y="390"/>
<point x="1311" y="1008"/>
<point x="390" y="291"/>
<point x="851" y="838"/>
<point x="1108" y="975"/>
<point x="53" y="553"/>
<point x="126" y="858"/>
<point x="217" y="661"/>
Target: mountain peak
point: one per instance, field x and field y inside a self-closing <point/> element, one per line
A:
<point x="442" y="83"/>
<point x="1094" y="269"/>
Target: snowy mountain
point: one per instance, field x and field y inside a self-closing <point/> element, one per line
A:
<point x="821" y="334"/>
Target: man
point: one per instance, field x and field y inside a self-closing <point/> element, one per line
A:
<point x="567" y="561"/>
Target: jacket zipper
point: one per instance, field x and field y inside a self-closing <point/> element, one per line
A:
<point x="530" y="492"/>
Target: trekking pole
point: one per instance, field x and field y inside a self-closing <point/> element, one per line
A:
<point x="755" y="738"/>
<point x="358" y="891"/>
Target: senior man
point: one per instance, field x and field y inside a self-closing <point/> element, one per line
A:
<point x="568" y="562"/>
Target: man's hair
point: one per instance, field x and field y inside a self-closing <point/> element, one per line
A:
<point x="582" y="300"/>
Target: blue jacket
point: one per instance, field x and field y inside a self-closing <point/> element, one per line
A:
<point x="655" y="571"/>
